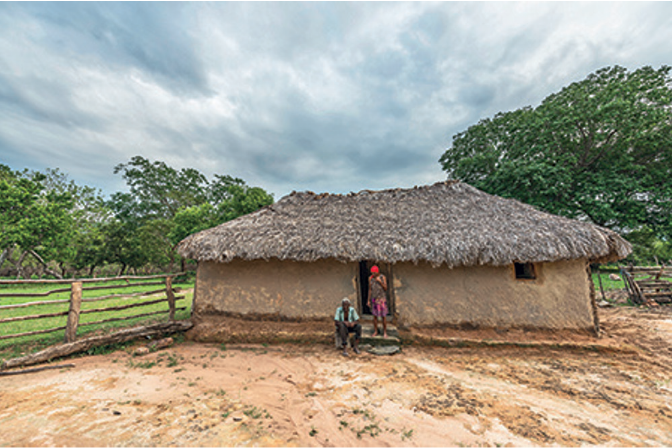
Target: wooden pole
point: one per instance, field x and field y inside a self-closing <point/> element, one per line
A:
<point x="171" y="297"/>
<point x="73" y="315"/>
<point x="599" y="278"/>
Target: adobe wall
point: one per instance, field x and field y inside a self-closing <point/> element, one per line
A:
<point x="559" y="298"/>
<point x="481" y="296"/>
<point x="286" y="288"/>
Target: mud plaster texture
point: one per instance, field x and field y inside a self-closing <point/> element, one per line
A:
<point x="487" y="296"/>
<point x="481" y="296"/>
<point x="286" y="289"/>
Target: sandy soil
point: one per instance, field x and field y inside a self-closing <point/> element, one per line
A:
<point x="514" y="389"/>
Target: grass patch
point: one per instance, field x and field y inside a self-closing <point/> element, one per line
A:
<point x="142" y="364"/>
<point x="607" y="283"/>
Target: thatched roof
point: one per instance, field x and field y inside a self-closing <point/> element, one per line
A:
<point x="448" y="222"/>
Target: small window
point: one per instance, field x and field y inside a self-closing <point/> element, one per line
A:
<point x="525" y="271"/>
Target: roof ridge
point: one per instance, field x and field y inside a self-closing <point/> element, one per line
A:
<point x="309" y="193"/>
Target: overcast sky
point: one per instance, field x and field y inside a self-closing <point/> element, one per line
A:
<point x="334" y="97"/>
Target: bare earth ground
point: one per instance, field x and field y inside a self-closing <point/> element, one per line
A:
<point x="611" y="391"/>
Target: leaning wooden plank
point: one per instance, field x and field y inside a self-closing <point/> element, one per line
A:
<point x="638" y="291"/>
<point x="90" y="280"/>
<point x="37" y="369"/>
<point x="31" y="333"/>
<point x="32" y="316"/>
<point x="61" y="350"/>
<point x="27" y="304"/>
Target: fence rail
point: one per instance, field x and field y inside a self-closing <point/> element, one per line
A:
<point x="648" y="284"/>
<point x="75" y="301"/>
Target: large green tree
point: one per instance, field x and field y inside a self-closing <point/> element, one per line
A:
<point x="166" y="205"/>
<point x="88" y="215"/>
<point x="600" y="149"/>
<point x="33" y="218"/>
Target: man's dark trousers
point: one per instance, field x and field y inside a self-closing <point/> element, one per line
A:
<point x="344" y="330"/>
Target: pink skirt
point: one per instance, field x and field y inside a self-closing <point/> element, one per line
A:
<point x="379" y="307"/>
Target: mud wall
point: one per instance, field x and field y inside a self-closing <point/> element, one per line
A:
<point x="559" y="298"/>
<point x="287" y="288"/>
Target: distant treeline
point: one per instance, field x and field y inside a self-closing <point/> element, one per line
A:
<point x="49" y="225"/>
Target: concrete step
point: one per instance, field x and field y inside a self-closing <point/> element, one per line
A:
<point x="368" y="338"/>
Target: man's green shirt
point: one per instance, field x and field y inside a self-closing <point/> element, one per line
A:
<point x="352" y="315"/>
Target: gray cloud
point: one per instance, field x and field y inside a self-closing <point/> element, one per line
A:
<point x="291" y="96"/>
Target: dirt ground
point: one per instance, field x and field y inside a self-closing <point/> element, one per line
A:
<point x="513" y="388"/>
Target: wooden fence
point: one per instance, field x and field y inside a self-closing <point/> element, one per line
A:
<point x="76" y="289"/>
<point x="647" y="284"/>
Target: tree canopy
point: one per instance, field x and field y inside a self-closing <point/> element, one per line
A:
<point x="598" y="150"/>
<point x="33" y="217"/>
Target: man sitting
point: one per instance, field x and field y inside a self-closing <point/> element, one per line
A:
<point x="347" y="321"/>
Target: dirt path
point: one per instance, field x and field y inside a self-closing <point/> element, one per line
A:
<point x="254" y="395"/>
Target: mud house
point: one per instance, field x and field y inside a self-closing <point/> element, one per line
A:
<point x="453" y="255"/>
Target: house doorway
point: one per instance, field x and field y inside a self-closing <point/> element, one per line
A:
<point x="364" y="273"/>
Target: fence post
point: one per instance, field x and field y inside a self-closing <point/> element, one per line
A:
<point x="73" y="315"/>
<point x="171" y="297"/>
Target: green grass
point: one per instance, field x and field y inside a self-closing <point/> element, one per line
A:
<point x="607" y="283"/>
<point x="16" y="346"/>
<point x="610" y="285"/>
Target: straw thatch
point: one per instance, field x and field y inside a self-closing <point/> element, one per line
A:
<point x="448" y="222"/>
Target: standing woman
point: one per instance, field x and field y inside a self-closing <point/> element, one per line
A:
<point x="378" y="299"/>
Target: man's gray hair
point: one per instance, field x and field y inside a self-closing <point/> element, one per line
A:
<point x="345" y="300"/>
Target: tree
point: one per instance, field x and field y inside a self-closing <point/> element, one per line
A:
<point x="160" y="190"/>
<point x="89" y="213"/>
<point x="167" y="205"/>
<point x="598" y="150"/>
<point x="32" y="218"/>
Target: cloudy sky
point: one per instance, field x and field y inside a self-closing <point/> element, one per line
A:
<point x="333" y="97"/>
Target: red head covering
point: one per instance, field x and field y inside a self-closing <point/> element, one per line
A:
<point x="374" y="269"/>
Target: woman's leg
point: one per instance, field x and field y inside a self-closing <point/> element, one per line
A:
<point x="384" y="327"/>
<point x="375" y="325"/>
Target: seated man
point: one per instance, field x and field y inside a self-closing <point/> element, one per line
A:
<point x="347" y="321"/>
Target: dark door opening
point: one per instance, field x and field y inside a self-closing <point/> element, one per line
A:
<point x="364" y="286"/>
<point x="364" y="273"/>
